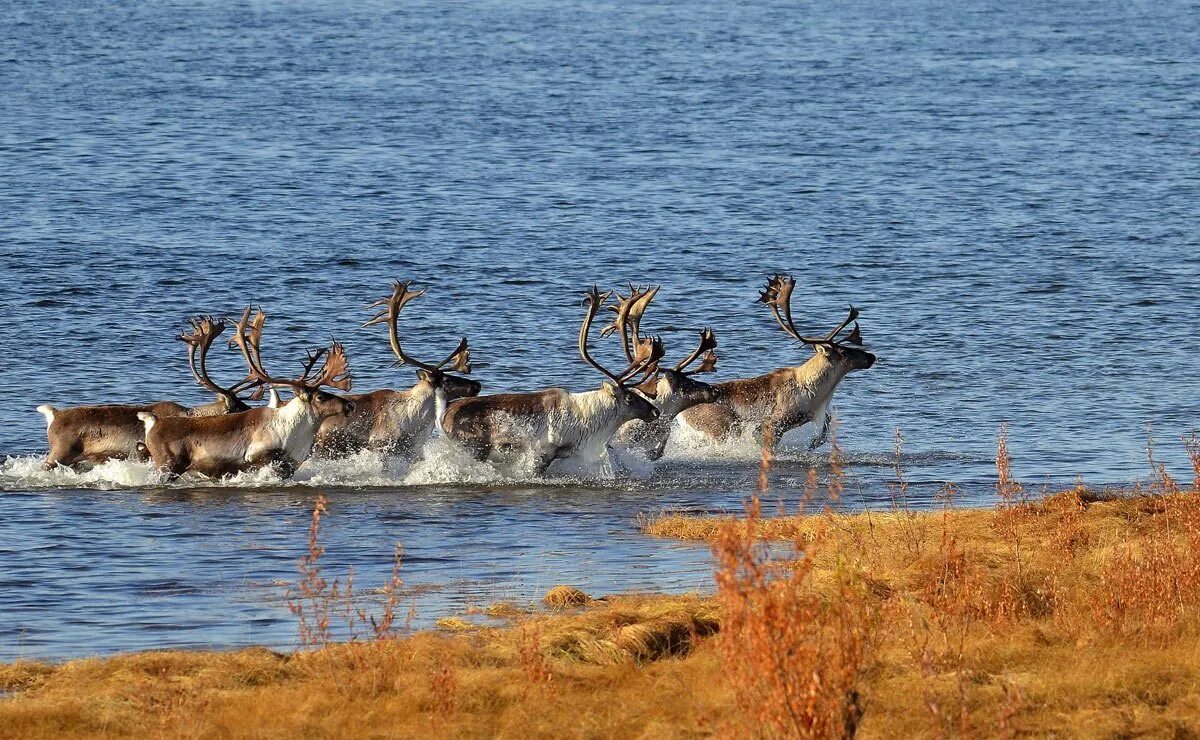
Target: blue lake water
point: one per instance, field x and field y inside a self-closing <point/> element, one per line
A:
<point x="1007" y="190"/>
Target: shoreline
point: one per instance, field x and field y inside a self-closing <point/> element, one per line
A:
<point x="1075" y="610"/>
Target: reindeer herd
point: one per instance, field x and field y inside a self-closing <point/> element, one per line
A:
<point x="635" y="408"/>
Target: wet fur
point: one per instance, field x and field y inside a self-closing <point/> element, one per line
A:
<point x="88" y="435"/>
<point x="779" y="401"/>
<point x="673" y="393"/>
<point x="218" y="446"/>
<point x="388" y="421"/>
<point x="550" y="424"/>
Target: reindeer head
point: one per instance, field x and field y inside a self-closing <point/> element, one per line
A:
<point x="459" y="361"/>
<point x="845" y="350"/>
<point x="335" y="372"/>
<point x="647" y="355"/>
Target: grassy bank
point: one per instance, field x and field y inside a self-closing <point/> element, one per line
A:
<point x="613" y="668"/>
<point x="1076" y="614"/>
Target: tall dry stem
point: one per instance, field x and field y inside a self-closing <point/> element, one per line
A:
<point x="1010" y="512"/>
<point x="1163" y="483"/>
<point x="310" y="601"/>
<point x="1192" y="445"/>
<point x="911" y="530"/>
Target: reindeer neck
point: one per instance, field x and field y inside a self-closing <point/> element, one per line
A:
<point x="820" y="375"/>
<point x="599" y="407"/>
<point x="422" y="389"/>
<point x="295" y="410"/>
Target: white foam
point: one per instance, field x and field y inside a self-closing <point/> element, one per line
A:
<point x="443" y="462"/>
<point x="25" y="472"/>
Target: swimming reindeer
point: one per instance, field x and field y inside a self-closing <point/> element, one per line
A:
<point x="554" y="423"/>
<point x="672" y="389"/>
<point x="93" y="434"/>
<point x="789" y="397"/>
<point x="398" y="422"/>
<point x="281" y="437"/>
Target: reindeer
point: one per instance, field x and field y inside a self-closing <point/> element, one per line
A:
<point x="398" y="422"/>
<point x="554" y="423"/>
<point x="672" y="389"/>
<point x="789" y="397"/>
<point x="282" y="437"/>
<point x="92" y="434"/>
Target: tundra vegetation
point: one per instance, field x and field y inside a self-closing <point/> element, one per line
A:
<point x="1073" y="613"/>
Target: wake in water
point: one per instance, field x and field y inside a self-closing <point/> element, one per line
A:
<point x="445" y="463"/>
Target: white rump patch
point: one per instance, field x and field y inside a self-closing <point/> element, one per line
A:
<point x="47" y="411"/>
<point x="148" y="419"/>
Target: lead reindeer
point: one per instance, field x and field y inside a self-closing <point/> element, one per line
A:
<point x="553" y="424"/>
<point x="789" y="397"/>
<point x="281" y="437"/>
<point x="93" y="434"/>
<point x="399" y="422"/>
<point x="672" y="389"/>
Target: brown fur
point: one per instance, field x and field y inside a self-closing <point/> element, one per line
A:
<point x="473" y="421"/>
<point x="93" y="434"/>
<point x="778" y="401"/>
<point x="371" y="425"/>
<point x="218" y="446"/>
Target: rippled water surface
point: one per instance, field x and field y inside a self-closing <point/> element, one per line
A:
<point x="1007" y="190"/>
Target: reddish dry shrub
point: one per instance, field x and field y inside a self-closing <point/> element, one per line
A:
<point x="1151" y="589"/>
<point x="1192" y="445"/>
<point x="794" y="652"/>
<point x="315" y="601"/>
<point x="1155" y="587"/>
<point x="1162" y="482"/>
<point x="534" y="665"/>
<point x="443" y="690"/>
<point x="310" y="601"/>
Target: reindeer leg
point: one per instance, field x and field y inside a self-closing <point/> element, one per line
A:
<point x="284" y="465"/>
<point x="823" y="435"/>
<point x="543" y="458"/>
<point x="175" y="467"/>
<point x="655" y="450"/>
<point x="66" y="455"/>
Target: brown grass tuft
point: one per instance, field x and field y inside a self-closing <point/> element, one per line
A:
<point x="565" y="597"/>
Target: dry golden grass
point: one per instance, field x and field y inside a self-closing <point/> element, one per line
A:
<point x="1095" y="633"/>
<point x="565" y="597"/>
<point x="626" y="666"/>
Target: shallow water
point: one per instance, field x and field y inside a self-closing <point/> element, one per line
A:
<point x="1007" y="191"/>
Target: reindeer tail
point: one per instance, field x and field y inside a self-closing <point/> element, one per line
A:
<point x="148" y="419"/>
<point x="47" y="411"/>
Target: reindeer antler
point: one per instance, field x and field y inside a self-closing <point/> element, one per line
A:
<point x="706" y="349"/>
<point x="648" y="353"/>
<point x="778" y="297"/>
<point x="628" y="319"/>
<point x="335" y="373"/>
<point x="204" y="330"/>
<point x="459" y="360"/>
